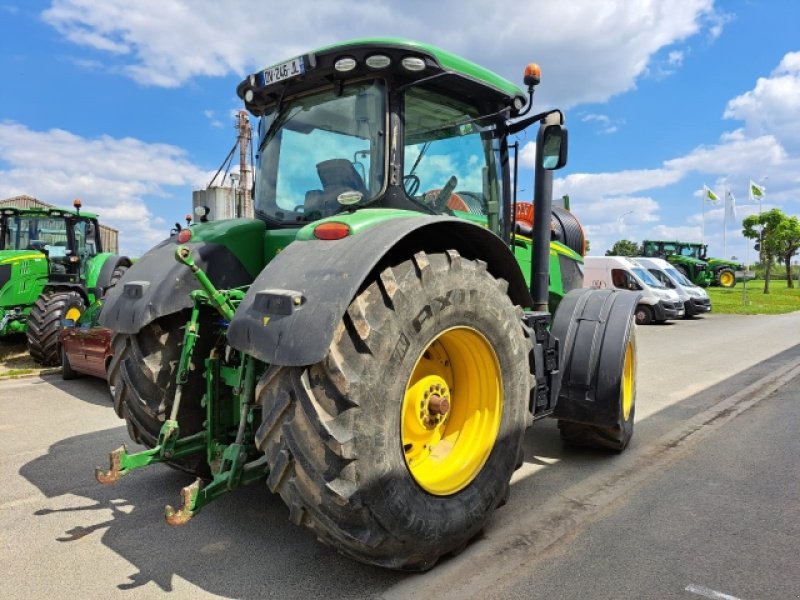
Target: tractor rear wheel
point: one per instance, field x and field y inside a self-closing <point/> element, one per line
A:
<point x="726" y="278"/>
<point x="142" y="376"/>
<point x="44" y="323"/>
<point x="119" y="271"/>
<point x="396" y="448"/>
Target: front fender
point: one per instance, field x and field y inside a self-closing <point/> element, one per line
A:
<point x="291" y="310"/>
<point x="157" y="285"/>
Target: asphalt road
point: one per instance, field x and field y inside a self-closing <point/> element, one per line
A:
<point x="706" y="500"/>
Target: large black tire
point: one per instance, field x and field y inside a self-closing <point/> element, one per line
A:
<point x="67" y="372"/>
<point x="119" y="271"/>
<point x="335" y="433"/>
<point x="142" y="376"/>
<point x="44" y="323"/>
<point x="726" y="278"/>
<point x="597" y="399"/>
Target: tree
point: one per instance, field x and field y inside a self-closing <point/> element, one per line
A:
<point x="624" y="248"/>
<point x="788" y="234"/>
<point x="767" y="229"/>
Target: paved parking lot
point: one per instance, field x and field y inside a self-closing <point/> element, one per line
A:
<point x="66" y="536"/>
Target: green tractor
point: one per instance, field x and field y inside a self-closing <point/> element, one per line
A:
<point x="376" y="342"/>
<point x="695" y="269"/>
<point x="51" y="267"/>
<point x="725" y="273"/>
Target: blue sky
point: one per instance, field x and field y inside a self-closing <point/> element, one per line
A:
<point x="129" y="105"/>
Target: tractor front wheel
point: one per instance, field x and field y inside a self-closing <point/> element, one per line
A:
<point x="396" y="448"/>
<point x="726" y="278"/>
<point x="44" y="323"/>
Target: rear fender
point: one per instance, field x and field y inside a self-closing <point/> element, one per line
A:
<point x="289" y="315"/>
<point x="157" y="285"/>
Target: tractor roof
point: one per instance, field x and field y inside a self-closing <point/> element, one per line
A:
<point x="319" y="67"/>
<point x="45" y="212"/>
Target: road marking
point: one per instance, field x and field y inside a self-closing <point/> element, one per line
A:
<point x="510" y="549"/>
<point x="709" y="593"/>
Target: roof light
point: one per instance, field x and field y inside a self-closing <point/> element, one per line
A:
<point x="533" y="74"/>
<point x="413" y="63"/>
<point x="331" y="230"/>
<point x="77" y="203"/>
<point x="345" y="64"/>
<point x="378" y="61"/>
<point x="184" y="235"/>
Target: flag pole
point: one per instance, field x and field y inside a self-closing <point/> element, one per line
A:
<point x="703" y="222"/>
<point x="725" y="223"/>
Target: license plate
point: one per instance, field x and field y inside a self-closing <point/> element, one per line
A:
<point x="285" y="70"/>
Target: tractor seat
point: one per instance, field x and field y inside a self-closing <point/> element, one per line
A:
<point x="339" y="175"/>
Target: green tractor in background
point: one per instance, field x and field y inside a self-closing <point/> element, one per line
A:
<point x="376" y="342"/>
<point x="693" y="268"/>
<point x="51" y="268"/>
<point x="725" y="272"/>
<point x="691" y="259"/>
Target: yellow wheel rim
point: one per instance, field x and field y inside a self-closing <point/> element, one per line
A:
<point x="451" y="411"/>
<point x="726" y="279"/>
<point x="628" y="371"/>
<point x="73" y="314"/>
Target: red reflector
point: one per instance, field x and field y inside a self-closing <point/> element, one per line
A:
<point x="184" y="235"/>
<point x="331" y="231"/>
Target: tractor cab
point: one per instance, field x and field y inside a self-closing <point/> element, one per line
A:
<point x="67" y="238"/>
<point x="385" y="123"/>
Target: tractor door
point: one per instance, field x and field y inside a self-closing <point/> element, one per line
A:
<point x="84" y="246"/>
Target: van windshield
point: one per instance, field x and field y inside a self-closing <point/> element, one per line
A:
<point x="678" y="276"/>
<point x="647" y="278"/>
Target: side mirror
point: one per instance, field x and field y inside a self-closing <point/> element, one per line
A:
<point x="554" y="147"/>
<point x="67" y="323"/>
<point x="633" y="286"/>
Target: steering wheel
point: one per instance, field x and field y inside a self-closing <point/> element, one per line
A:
<point x="440" y="202"/>
<point x="411" y="184"/>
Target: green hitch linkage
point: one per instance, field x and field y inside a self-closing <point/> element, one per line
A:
<point x="218" y="299"/>
<point x="169" y="445"/>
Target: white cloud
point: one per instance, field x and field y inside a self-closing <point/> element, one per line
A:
<point x="167" y="42"/>
<point x="111" y="176"/>
<point x="773" y="105"/>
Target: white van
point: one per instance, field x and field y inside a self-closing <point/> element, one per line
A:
<point x="656" y="302"/>
<point x="695" y="299"/>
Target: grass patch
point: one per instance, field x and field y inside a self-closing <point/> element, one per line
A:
<point x="779" y="300"/>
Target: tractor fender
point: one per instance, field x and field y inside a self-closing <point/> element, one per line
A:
<point x="291" y="310"/>
<point x="108" y="264"/>
<point x="157" y="285"/>
<point x="592" y="326"/>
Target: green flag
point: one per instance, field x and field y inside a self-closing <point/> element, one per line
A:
<point x="756" y="191"/>
<point x="710" y="195"/>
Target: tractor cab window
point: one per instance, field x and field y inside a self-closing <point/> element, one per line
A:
<point x="34" y="233"/>
<point x="320" y="153"/>
<point x="450" y="160"/>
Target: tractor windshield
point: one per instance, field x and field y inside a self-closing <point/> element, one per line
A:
<point x="450" y="159"/>
<point x="321" y="152"/>
<point x="35" y="233"/>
